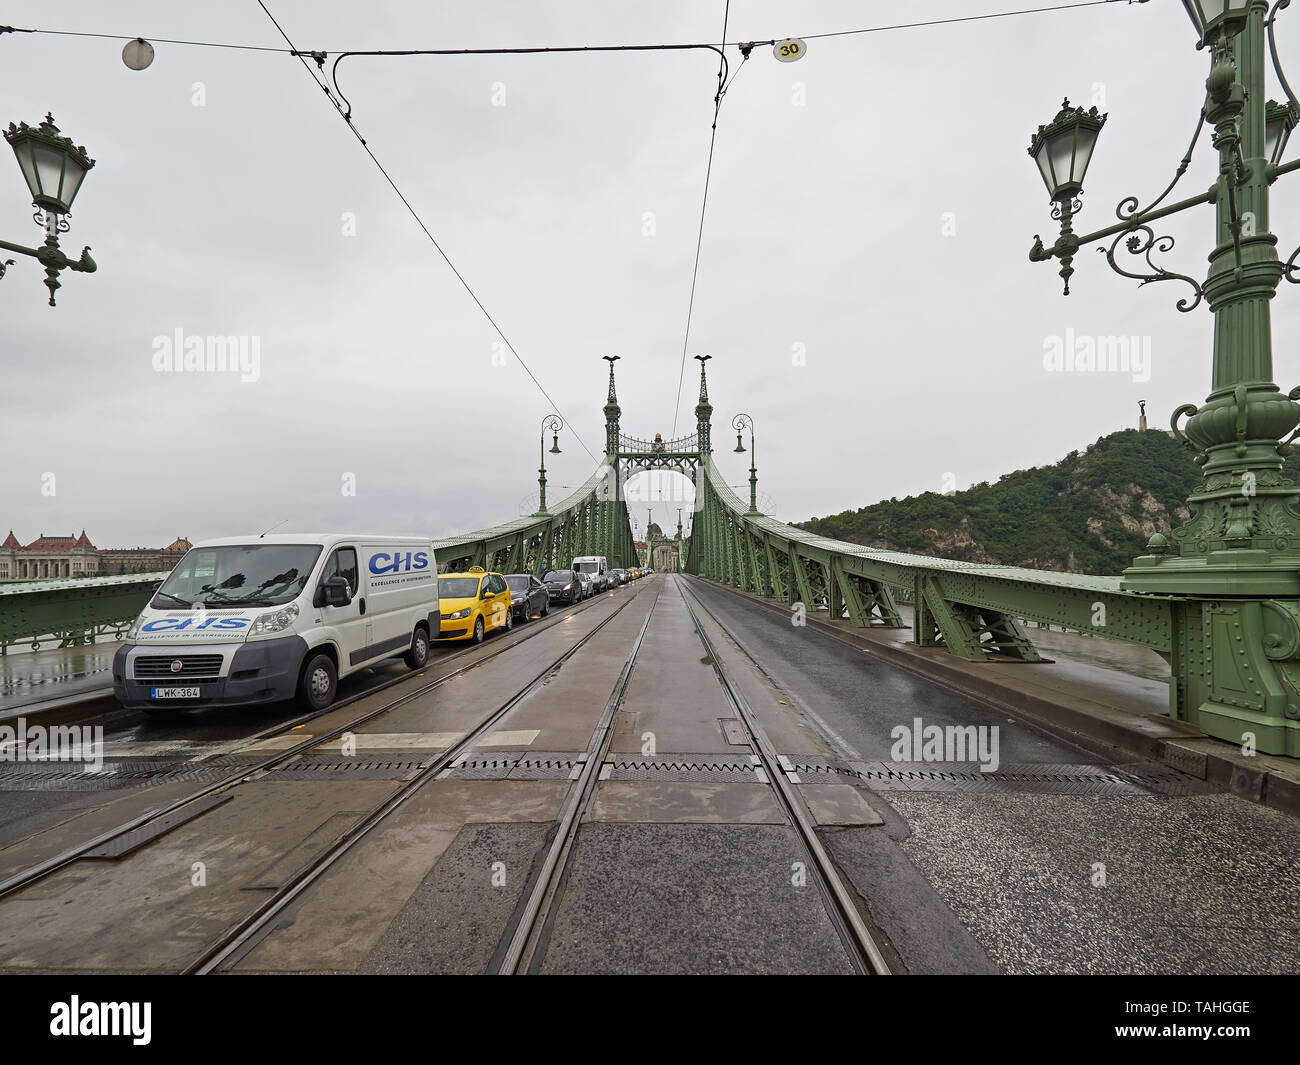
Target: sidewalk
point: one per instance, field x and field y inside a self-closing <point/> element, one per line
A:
<point x="35" y="681"/>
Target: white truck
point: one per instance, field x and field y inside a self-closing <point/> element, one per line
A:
<point x="247" y="620"/>
<point x="594" y="566"/>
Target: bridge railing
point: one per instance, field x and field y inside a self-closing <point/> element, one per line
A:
<point x="683" y="444"/>
<point x="72" y="611"/>
<point x="972" y="609"/>
<point x="591" y="521"/>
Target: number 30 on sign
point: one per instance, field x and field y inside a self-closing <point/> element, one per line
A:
<point x="789" y="50"/>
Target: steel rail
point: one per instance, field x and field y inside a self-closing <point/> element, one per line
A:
<point x="51" y="865"/>
<point x="244" y="934"/>
<point x="526" y="935"/>
<point x="864" y="953"/>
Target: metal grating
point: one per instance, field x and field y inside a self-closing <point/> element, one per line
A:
<point x="516" y="765"/>
<point x="701" y="768"/>
<point x="1032" y="778"/>
<point x="117" y="774"/>
<point x="547" y="765"/>
<point x="353" y="768"/>
<point x="122" y="845"/>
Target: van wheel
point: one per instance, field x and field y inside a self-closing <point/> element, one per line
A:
<point x="320" y="681"/>
<point x="478" y="629"/>
<point x="418" y="655"/>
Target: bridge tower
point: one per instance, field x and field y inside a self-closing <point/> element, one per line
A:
<point x="703" y="409"/>
<point x="612" y="516"/>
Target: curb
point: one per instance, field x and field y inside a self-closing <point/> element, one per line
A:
<point x="1174" y="743"/>
<point x="71" y="709"/>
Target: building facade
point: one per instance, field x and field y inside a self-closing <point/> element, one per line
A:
<point x="48" y="557"/>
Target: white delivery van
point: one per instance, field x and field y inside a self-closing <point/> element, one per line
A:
<point x="594" y="566"/>
<point x="256" y="619"/>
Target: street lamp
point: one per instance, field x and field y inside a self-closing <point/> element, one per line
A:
<point x="1233" y="568"/>
<point x="1063" y="149"/>
<point x="1217" y="19"/>
<point x="739" y="423"/>
<point x="1279" y="121"/>
<point x="54" y="168"/>
<point x="552" y="423"/>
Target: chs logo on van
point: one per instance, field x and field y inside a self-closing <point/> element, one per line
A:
<point x="180" y="624"/>
<point x="399" y="562"/>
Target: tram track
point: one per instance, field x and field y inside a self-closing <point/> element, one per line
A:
<point x="237" y="941"/>
<point x="174" y="813"/>
<point x="859" y="943"/>
<point x="524" y="946"/>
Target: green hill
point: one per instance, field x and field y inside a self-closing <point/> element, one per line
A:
<point x="1090" y="513"/>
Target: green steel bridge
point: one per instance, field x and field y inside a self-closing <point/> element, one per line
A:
<point x="1234" y="661"/>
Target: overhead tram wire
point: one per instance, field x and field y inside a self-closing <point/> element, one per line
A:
<point x="584" y="48"/>
<point x="704" y="206"/>
<point x="346" y="113"/>
<point x="347" y="118"/>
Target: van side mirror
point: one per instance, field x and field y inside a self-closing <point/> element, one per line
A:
<point x="335" y="592"/>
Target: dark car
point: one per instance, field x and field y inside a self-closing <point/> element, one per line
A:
<point x="528" y="596"/>
<point x="563" y="586"/>
<point x="617" y="578"/>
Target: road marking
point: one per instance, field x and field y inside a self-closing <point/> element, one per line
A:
<point x="506" y="738"/>
<point x="395" y="741"/>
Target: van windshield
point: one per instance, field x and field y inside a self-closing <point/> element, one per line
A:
<point x="586" y="567"/>
<point x="238" y="575"/>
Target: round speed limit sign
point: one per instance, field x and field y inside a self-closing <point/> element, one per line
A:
<point x="789" y="50"/>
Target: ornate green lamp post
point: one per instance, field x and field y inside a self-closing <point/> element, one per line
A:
<point x="1235" y="565"/>
<point x="739" y="423"/>
<point x="54" y="168"/>
<point x="552" y="424"/>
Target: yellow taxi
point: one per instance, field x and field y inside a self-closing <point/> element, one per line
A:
<point x="472" y="604"/>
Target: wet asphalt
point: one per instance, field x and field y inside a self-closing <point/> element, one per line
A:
<point x="863" y="699"/>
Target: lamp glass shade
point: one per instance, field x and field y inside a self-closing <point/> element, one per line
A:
<point x="555" y="444"/>
<point x="1211" y="17"/>
<point x="1063" y="149"/>
<point x="1279" y="121"/>
<point x="740" y="447"/>
<point x="52" y="166"/>
<point x="137" y="54"/>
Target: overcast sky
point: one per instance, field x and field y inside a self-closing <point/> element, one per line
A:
<point x="871" y="209"/>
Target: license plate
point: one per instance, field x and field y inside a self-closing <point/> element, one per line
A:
<point x="173" y="693"/>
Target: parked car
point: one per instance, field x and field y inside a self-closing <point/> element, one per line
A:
<point x="528" y="596"/>
<point x="562" y="586"/>
<point x="588" y="583"/>
<point x="473" y="603"/>
<point x="617" y="578"/>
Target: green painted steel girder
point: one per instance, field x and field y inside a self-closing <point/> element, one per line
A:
<point x="71" y="611"/>
<point x="588" y="522"/>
